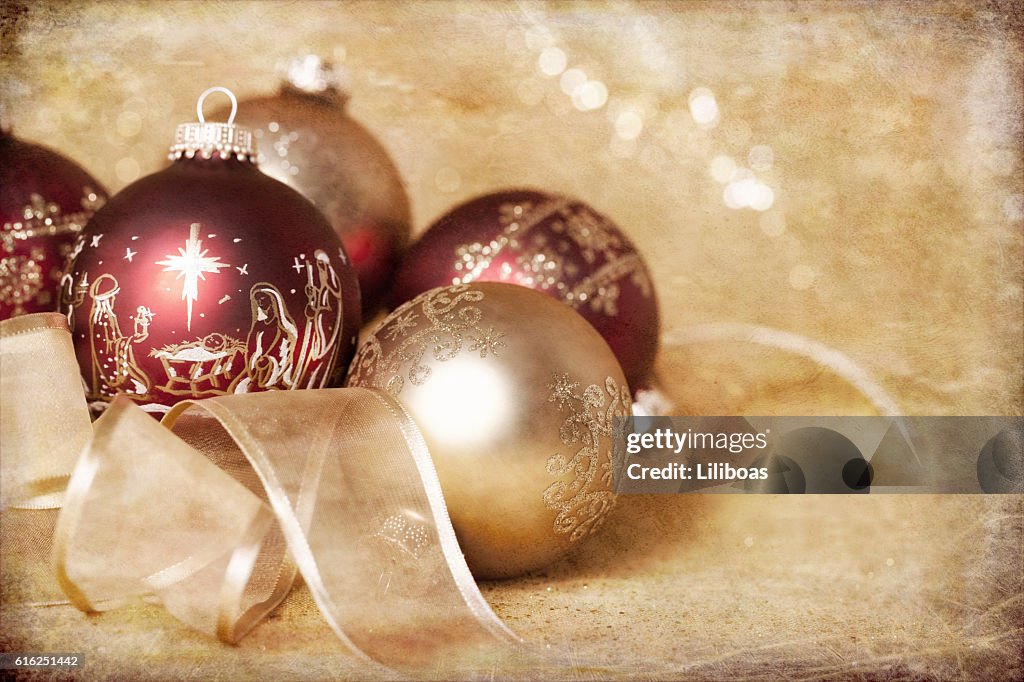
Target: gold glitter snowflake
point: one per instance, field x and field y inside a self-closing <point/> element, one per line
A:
<point x="488" y="341"/>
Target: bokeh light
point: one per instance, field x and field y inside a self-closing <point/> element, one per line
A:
<point x="744" y="191"/>
<point x="127" y="169"/>
<point x="762" y="198"/>
<point x="629" y="125"/>
<point x="589" y="96"/>
<point x="703" y="107"/>
<point x="572" y="79"/>
<point x="552" y="61"/>
<point x="129" y="124"/>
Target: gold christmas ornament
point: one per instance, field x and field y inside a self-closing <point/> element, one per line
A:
<point x="516" y="396"/>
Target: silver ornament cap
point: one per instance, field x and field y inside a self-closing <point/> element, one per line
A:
<point x="311" y="75"/>
<point x="206" y="138"/>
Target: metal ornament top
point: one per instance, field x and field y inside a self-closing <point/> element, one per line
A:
<point x="207" y="138"/>
<point x="311" y="75"/>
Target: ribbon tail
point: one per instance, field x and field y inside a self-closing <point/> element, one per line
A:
<point x="147" y="514"/>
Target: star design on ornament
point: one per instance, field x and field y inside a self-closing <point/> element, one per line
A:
<point x="342" y="255"/>
<point x="298" y="266"/>
<point x="96" y="240"/>
<point x="400" y="325"/>
<point x="192" y="264"/>
<point x="244" y="270"/>
<point x="563" y="390"/>
<point x="488" y="341"/>
<point x="129" y="254"/>
<point x="79" y="245"/>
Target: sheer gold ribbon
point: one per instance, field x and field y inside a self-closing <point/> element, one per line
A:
<point x="218" y="507"/>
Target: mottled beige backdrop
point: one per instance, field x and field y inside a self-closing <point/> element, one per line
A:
<point x="846" y="177"/>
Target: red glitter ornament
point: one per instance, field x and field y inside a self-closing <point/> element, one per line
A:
<point x="309" y="142"/>
<point x="45" y="201"/>
<point x="209" y="278"/>
<point x="551" y="243"/>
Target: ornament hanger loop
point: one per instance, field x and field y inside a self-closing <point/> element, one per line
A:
<point x="208" y="92"/>
<point x="227" y="140"/>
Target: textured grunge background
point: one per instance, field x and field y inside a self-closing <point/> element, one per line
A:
<point x="889" y="135"/>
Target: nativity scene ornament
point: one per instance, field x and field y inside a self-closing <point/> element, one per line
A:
<point x="241" y="287"/>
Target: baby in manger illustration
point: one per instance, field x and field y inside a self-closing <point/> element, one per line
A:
<point x="201" y="366"/>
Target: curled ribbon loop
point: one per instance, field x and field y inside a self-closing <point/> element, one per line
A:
<point x="218" y="508"/>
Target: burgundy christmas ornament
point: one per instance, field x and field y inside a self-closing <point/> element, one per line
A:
<point x="309" y="142"/>
<point x="550" y="243"/>
<point x="209" y="278"/>
<point x="45" y="201"/>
